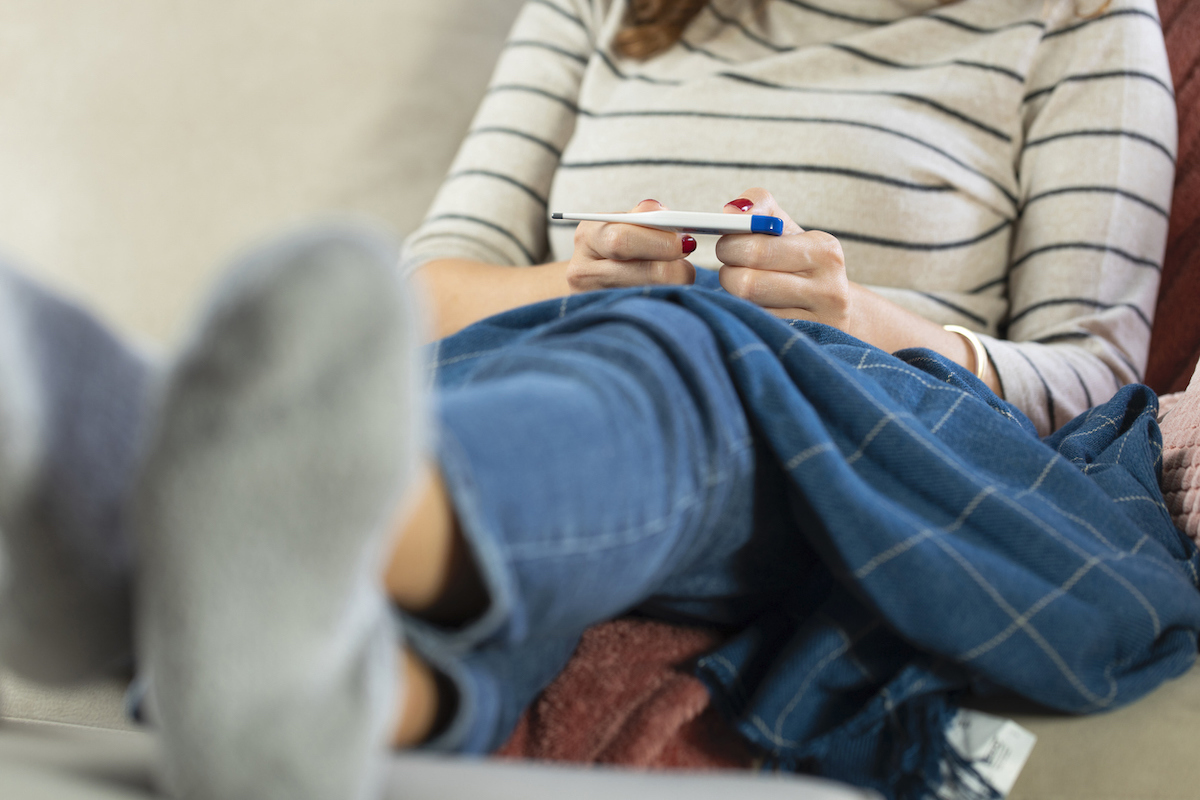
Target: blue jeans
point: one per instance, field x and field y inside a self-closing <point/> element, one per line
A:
<point x="601" y="463"/>
<point x="682" y="451"/>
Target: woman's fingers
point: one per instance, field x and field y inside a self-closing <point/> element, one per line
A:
<point x="619" y="241"/>
<point x="799" y="275"/>
<point x="799" y="252"/>
<point x="617" y="274"/>
<point x="778" y="290"/>
<point x="614" y="254"/>
<point x="801" y="279"/>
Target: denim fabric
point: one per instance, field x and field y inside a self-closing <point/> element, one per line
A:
<point x="598" y="462"/>
<point x="882" y="531"/>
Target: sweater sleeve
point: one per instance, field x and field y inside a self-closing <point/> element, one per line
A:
<point x="492" y="205"/>
<point x="1096" y="170"/>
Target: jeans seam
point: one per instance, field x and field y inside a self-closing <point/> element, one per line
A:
<point x="623" y="537"/>
<point x="606" y="541"/>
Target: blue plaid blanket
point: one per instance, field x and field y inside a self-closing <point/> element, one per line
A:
<point x="957" y="550"/>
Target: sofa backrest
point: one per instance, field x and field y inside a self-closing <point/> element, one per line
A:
<point x="1175" y="341"/>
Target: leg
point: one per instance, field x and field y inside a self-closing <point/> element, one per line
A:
<point x="430" y="572"/>
<point x="585" y="472"/>
<point x="589" y="468"/>
<point x="72" y="406"/>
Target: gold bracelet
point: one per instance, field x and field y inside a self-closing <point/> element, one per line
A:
<point x="981" y="355"/>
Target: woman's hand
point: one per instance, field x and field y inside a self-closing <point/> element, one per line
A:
<point x="799" y="275"/>
<point x="610" y="255"/>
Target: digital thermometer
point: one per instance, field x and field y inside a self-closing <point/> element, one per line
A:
<point x="688" y="221"/>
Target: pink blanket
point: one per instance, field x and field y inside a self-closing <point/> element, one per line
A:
<point x="1181" y="460"/>
<point x="627" y="697"/>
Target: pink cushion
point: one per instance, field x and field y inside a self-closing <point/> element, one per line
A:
<point x="1181" y="460"/>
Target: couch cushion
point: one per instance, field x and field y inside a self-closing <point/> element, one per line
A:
<point x="1142" y="751"/>
<point x="98" y="703"/>
<point x="65" y="763"/>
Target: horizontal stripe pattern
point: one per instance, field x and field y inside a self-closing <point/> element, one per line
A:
<point x="1002" y="165"/>
<point x="757" y="167"/>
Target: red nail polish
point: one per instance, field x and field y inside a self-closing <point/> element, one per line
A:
<point x="741" y="204"/>
<point x="689" y="244"/>
<point x="651" y="200"/>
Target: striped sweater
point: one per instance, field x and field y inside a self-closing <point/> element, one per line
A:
<point x="1000" y="164"/>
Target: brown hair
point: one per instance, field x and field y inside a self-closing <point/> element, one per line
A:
<point x="654" y="26"/>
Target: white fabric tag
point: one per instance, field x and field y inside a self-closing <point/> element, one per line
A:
<point x="997" y="749"/>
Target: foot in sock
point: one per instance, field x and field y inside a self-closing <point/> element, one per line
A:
<point x="289" y="427"/>
<point x="1181" y="460"/>
<point x="73" y="401"/>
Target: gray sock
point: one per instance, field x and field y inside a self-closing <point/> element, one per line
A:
<point x="72" y="405"/>
<point x="288" y="430"/>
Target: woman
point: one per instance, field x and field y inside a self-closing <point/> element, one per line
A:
<point x="969" y="159"/>
<point x="672" y="450"/>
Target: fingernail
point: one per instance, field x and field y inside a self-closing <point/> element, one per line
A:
<point x="651" y="200"/>
<point x="741" y="204"/>
<point x="689" y="244"/>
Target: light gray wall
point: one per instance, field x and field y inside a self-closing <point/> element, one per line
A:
<point x="144" y="140"/>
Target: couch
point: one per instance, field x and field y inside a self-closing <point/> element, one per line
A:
<point x="143" y="141"/>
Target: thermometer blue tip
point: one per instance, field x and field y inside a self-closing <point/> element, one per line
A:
<point x="763" y="224"/>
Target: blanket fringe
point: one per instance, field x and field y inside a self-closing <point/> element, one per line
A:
<point x="903" y="755"/>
